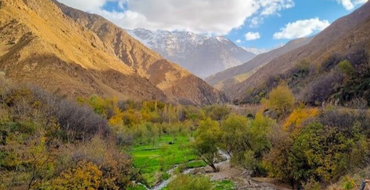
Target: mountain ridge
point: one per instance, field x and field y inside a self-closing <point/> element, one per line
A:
<point x="226" y="79"/>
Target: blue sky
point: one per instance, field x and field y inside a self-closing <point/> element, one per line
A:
<point x="303" y="9"/>
<point x="231" y="18"/>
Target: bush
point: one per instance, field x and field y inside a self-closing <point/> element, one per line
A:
<point x="321" y="90"/>
<point x="79" y="122"/>
<point x="346" y="67"/>
<point x="331" y="62"/>
<point x="345" y="119"/>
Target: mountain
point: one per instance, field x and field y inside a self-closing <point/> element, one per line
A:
<point x="257" y="51"/>
<point x="226" y="79"/>
<point x="40" y="44"/>
<point x="200" y="54"/>
<point x="343" y="37"/>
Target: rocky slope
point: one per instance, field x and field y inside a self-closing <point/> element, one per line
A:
<point x="200" y="54"/>
<point x="39" y="44"/>
<point x="340" y="37"/>
<point x="226" y="79"/>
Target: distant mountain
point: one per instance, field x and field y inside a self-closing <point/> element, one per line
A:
<point x="200" y="54"/>
<point x="343" y="37"/>
<point x="226" y="79"/>
<point x="256" y="51"/>
<point x="81" y="54"/>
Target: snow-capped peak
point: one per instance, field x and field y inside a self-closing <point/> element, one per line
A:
<point x="202" y="55"/>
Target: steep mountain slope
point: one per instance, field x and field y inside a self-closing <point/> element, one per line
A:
<point x="225" y="79"/>
<point x="177" y="83"/>
<point x="40" y="45"/>
<point x="200" y="54"/>
<point x="339" y="38"/>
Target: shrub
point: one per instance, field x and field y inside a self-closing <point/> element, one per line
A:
<point x="321" y="90"/>
<point x="346" y="67"/>
<point x="345" y="119"/>
<point x="331" y="62"/>
<point x="86" y="175"/>
<point x="79" y="122"/>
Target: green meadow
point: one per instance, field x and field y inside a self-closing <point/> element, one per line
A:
<point x="154" y="159"/>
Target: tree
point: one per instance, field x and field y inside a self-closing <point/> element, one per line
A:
<point x="206" y="140"/>
<point x="235" y="136"/>
<point x="217" y="112"/>
<point x="247" y="141"/>
<point x="281" y="100"/>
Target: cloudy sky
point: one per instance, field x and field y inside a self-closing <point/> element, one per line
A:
<point x="250" y="23"/>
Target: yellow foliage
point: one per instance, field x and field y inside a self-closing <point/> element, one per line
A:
<point x="116" y="120"/>
<point x="294" y="122"/>
<point x="85" y="176"/>
<point x="281" y="100"/>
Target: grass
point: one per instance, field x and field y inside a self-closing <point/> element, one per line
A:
<point x="195" y="164"/>
<point x="219" y="185"/>
<point x="224" y="185"/>
<point x="136" y="187"/>
<point x="155" y="159"/>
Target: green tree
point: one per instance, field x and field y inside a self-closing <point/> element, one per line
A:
<point x="206" y="141"/>
<point x="235" y="136"/>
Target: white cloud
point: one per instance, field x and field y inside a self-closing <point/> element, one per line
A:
<point x="238" y="41"/>
<point x="350" y="4"/>
<point x="273" y="6"/>
<point x="255" y="22"/>
<point x="252" y="36"/>
<point x="199" y="16"/>
<point x="301" y="28"/>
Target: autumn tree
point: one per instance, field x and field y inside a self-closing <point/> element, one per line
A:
<point x="294" y="122"/>
<point x="281" y="100"/>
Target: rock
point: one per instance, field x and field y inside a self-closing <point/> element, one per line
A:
<point x="365" y="185"/>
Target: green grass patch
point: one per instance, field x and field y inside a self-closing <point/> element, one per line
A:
<point x="156" y="158"/>
<point x="224" y="185"/>
<point x="136" y="187"/>
<point x="195" y="164"/>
